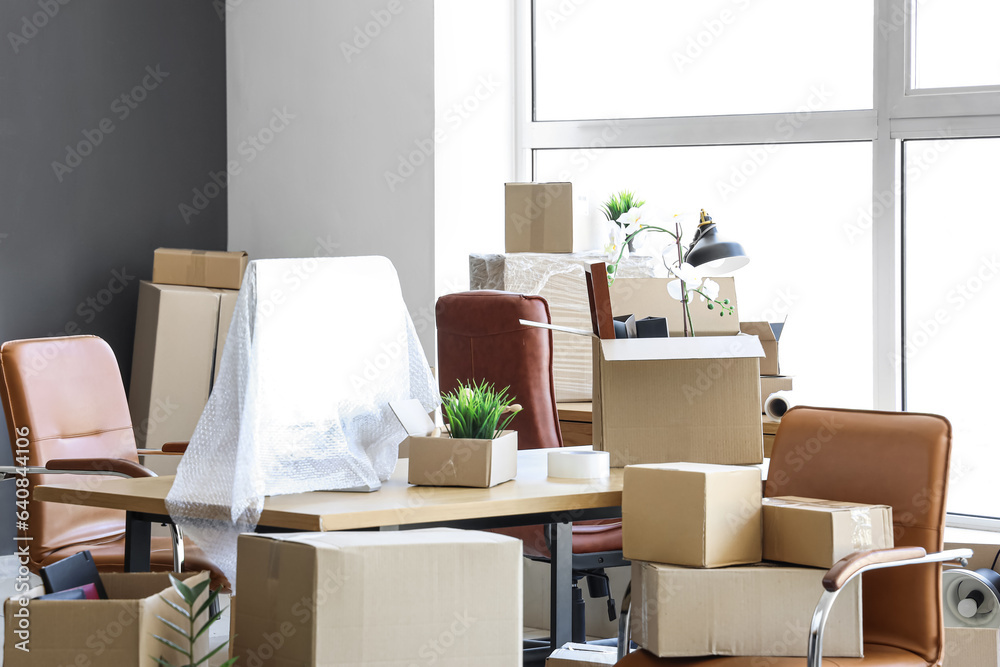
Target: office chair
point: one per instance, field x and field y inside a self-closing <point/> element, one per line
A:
<point x="480" y="338"/>
<point x="896" y="459"/>
<point x="68" y="420"/>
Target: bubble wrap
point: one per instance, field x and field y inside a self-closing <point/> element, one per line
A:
<point x="560" y="279"/>
<point x="316" y="350"/>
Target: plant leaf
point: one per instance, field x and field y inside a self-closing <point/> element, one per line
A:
<point x="176" y="628"/>
<point x="208" y="624"/>
<point x="184" y="590"/>
<point x="213" y="652"/>
<point x="208" y="602"/>
<point x="176" y="607"/>
<point x="199" y="589"/>
<point x="161" y="661"/>
<point x="172" y="645"/>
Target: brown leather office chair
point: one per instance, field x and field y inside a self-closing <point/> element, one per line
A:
<point x="65" y="402"/>
<point x="480" y="338"/>
<point x="897" y="459"/>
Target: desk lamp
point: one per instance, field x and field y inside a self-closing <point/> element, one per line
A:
<point x="710" y="251"/>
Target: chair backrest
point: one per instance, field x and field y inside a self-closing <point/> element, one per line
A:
<point x="889" y="458"/>
<point x="67" y="394"/>
<point x="479" y="338"/>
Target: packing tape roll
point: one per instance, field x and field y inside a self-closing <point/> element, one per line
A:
<point x="579" y="464"/>
<point x="778" y="403"/>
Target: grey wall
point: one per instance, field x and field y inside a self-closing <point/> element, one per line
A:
<point x="67" y="233"/>
<point x="357" y="82"/>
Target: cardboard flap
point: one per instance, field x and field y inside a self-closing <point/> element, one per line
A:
<point x="702" y="347"/>
<point x="762" y="330"/>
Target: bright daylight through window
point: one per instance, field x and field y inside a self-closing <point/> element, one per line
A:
<point x="849" y="149"/>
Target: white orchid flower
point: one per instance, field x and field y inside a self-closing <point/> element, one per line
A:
<point x="709" y="289"/>
<point x="674" y="290"/>
<point x="687" y="273"/>
<point x="616" y="243"/>
<point x="630" y="217"/>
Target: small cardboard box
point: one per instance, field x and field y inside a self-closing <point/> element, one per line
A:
<point x="691" y="514"/>
<point x="97" y="633"/>
<point x="755" y="610"/>
<point x="180" y="333"/>
<point x="398" y="598"/>
<point x="818" y="533"/>
<point x="971" y="647"/>
<point x="660" y="400"/>
<point x="445" y="461"/>
<point x="770" y="384"/>
<point x="582" y="655"/>
<point x="199" y="268"/>
<point x="648" y="297"/>
<point x="768" y="333"/>
<point x="539" y="217"/>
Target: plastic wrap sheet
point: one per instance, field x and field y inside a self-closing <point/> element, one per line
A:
<point x="316" y="350"/>
<point x="560" y="279"/>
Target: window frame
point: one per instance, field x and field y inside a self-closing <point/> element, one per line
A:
<point x="899" y="112"/>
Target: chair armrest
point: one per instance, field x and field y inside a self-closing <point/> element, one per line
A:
<point x="122" y="467"/>
<point x="175" y="447"/>
<point x="845" y="569"/>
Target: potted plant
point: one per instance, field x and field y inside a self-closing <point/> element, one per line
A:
<point x="190" y="617"/>
<point x="477" y="449"/>
<point x="617" y="205"/>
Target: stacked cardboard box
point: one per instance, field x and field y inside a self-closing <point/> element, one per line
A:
<point x="181" y="330"/>
<point x="771" y="379"/>
<point x="696" y="534"/>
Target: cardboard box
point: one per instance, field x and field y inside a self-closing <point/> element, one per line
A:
<point x="177" y="342"/>
<point x="560" y="280"/>
<point x="768" y="333"/>
<point x="648" y="297"/>
<point x="971" y="647"/>
<point x="445" y="461"/>
<point x="539" y="217"/>
<point x="692" y="514"/>
<point x="754" y="610"/>
<point x="661" y="400"/>
<point x="199" y="268"/>
<point x="98" y="633"/>
<point x="447" y="597"/>
<point x="818" y="533"/>
<point x="582" y="655"/>
<point x="770" y="384"/>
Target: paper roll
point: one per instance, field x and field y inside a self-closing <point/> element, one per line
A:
<point x="778" y="403"/>
<point x="579" y="464"/>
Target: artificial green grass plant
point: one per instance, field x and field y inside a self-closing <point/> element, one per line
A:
<point x="478" y="410"/>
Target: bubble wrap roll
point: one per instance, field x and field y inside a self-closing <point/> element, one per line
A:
<point x="316" y="350"/>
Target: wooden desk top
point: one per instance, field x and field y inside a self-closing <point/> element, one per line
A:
<point x="584" y="412"/>
<point x="397" y="503"/>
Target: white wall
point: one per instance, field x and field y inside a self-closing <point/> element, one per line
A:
<point x="352" y="108"/>
<point x="474" y="91"/>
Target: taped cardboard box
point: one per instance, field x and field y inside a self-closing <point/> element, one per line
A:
<point x="971" y="647"/>
<point x="98" y="633"/>
<point x="769" y="333"/>
<point x="560" y="280"/>
<point x="582" y="655"/>
<point x="692" y="514"/>
<point x="199" y="268"/>
<point x="178" y="338"/>
<point x="818" y="533"/>
<point x="446" y="461"/>
<point x="662" y="400"/>
<point x="750" y="610"/>
<point x="448" y="597"/>
<point x="771" y="384"/>
<point x="539" y="217"/>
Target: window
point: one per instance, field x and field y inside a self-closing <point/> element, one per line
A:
<point x="889" y="171"/>
<point x="649" y="58"/>
<point x="952" y="290"/>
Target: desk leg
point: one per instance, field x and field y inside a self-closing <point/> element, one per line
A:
<point x="137" y="533"/>
<point x="561" y="611"/>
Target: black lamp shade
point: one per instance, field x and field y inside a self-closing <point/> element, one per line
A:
<point x="713" y="252"/>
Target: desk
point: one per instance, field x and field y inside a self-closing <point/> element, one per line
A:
<point x="528" y="500"/>
<point x="576" y="422"/>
